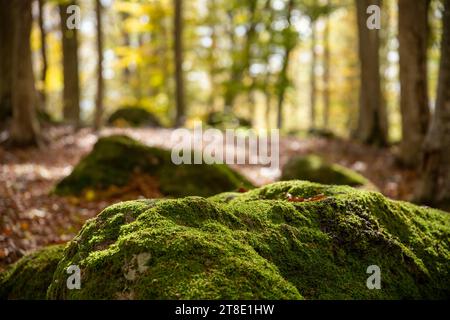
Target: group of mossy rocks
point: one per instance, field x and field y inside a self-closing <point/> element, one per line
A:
<point x="214" y="236"/>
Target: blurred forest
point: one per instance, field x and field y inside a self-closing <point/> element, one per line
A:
<point x="375" y="101"/>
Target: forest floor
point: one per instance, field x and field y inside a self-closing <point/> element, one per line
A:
<point x="30" y="217"/>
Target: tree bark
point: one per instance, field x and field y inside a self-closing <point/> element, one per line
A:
<point x="43" y="33"/>
<point x="313" y="85"/>
<point x="71" y="92"/>
<point x="283" y="77"/>
<point x="6" y="54"/>
<point x="24" y="127"/>
<point x="179" y="76"/>
<point x="372" y="122"/>
<point x="100" y="82"/>
<point x="326" y="73"/>
<point x="434" y="187"/>
<point x="413" y="40"/>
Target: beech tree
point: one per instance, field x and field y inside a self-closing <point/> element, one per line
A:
<point x="25" y="126"/>
<point x="179" y="76"/>
<point x="413" y="39"/>
<point x="434" y="187"/>
<point x="372" y="120"/>
<point x="71" y="91"/>
<point x="100" y="82"/>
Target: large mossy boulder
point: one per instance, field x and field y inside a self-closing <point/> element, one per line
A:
<point x="313" y="168"/>
<point x="115" y="160"/>
<point x="133" y="117"/>
<point x="30" y="277"/>
<point x="288" y="240"/>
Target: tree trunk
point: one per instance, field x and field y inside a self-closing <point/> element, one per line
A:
<point x="313" y="85"/>
<point x="283" y="77"/>
<point x="179" y="77"/>
<point x="326" y="73"/>
<point x="413" y="39"/>
<point x="6" y="54"/>
<point x="43" y="32"/>
<point x="24" y="126"/>
<point x="372" y="122"/>
<point x="100" y="83"/>
<point x="434" y="187"/>
<point x="71" y="92"/>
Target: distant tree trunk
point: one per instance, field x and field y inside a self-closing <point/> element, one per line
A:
<point x="326" y="73"/>
<point x="313" y="85"/>
<point x="24" y="127"/>
<point x="372" y="123"/>
<point x="71" y="92"/>
<point x="434" y="187"/>
<point x="413" y="39"/>
<point x="179" y="76"/>
<point x="6" y="54"/>
<point x="283" y="77"/>
<point x="212" y="56"/>
<point x="42" y="89"/>
<point x="100" y="83"/>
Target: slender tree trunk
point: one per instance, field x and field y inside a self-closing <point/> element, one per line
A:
<point x="413" y="39"/>
<point x="71" y="92"/>
<point x="326" y="73"/>
<point x="212" y="56"/>
<point x="313" y="85"/>
<point x="6" y="54"/>
<point x="43" y="32"/>
<point x="434" y="187"/>
<point x="179" y="77"/>
<point x="372" y="123"/>
<point x="24" y="127"/>
<point x="283" y="77"/>
<point x="100" y="82"/>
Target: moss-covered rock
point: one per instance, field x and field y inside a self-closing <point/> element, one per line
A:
<point x="30" y="277"/>
<point x="226" y="120"/>
<point x="315" y="169"/>
<point x="116" y="159"/>
<point x="266" y="243"/>
<point x="133" y="117"/>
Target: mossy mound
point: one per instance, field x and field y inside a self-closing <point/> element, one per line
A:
<point x="115" y="160"/>
<point x="259" y="245"/>
<point x="315" y="169"/>
<point x="133" y="117"/>
<point x="224" y="120"/>
<point x="30" y="277"/>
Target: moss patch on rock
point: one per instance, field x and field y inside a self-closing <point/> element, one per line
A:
<point x="224" y="120"/>
<point x="133" y="117"/>
<point x="259" y="245"/>
<point x="30" y="277"/>
<point x="315" y="169"/>
<point x="115" y="160"/>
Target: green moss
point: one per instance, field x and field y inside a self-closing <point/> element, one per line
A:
<point x="30" y="277"/>
<point x="258" y="245"/>
<point x="133" y="117"/>
<point x="115" y="159"/>
<point x="224" y="120"/>
<point x="313" y="168"/>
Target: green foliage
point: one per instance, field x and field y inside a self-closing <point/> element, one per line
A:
<point x="116" y="159"/>
<point x="315" y="169"/>
<point x="30" y="277"/>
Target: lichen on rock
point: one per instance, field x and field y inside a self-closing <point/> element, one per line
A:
<point x="114" y="161"/>
<point x="313" y="168"/>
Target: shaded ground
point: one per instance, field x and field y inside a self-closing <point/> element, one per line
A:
<point x="31" y="218"/>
